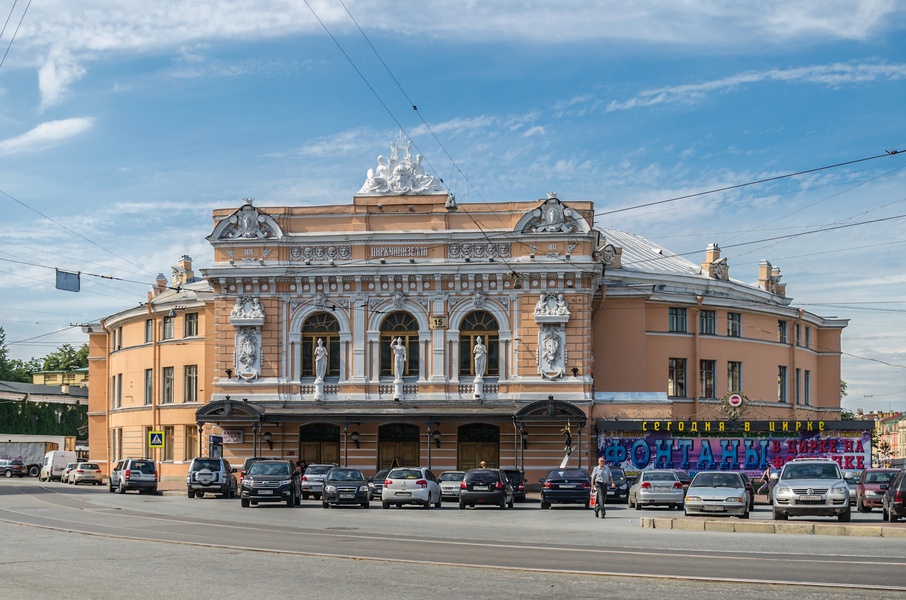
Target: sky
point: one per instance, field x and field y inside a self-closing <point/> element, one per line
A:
<point x="124" y="123"/>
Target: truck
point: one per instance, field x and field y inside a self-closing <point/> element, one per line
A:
<point x="30" y="453"/>
<point x="54" y="462"/>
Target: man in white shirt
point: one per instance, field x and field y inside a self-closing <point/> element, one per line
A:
<point x="600" y="476"/>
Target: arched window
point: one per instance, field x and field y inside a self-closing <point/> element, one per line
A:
<point x="399" y="325"/>
<point x="479" y="323"/>
<point x="323" y="326"/>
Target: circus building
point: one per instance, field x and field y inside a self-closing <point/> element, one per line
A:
<point x="406" y="328"/>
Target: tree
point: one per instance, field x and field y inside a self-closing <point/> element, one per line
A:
<point x="14" y="369"/>
<point x="66" y="358"/>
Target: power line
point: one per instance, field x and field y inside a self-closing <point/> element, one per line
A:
<point x="22" y="18"/>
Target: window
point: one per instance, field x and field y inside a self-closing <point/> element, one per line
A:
<point x="807" y="391"/>
<point x="119" y="391"/>
<point x="116" y="444"/>
<point x="484" y="325"/>
<point x="782" y="384"/>
<point x="707" y="373"/>
<point x="734" y="376"/>
<point x="402" y="326"/>
<point x="191" y="446"/>
<point x="798" y="386"/>
<point x="781" y="332"/>
<point x="707" y="322"/>
<point x="167" y="328"/>
<point x="677" y="323"/>
<point x="116" y="340"/>
<point x="808" y="337"/>
<point x="190" y="325"/>
<point x="798" y="334"/>
<point x="168" y="443"/>
<point x="149" y="387"/>
<point x="149" y="331"/>
<point x="734" y="324"/>
<point x="190" y="383"/>
<point x="325" y="327"/>
<point x="676" y="378"/>
<point x="166" y="387"/>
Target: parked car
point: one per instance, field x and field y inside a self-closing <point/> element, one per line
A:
<point x="566" y="486"/>
<point x="313" y="480"/>
<point x="86" y="472"/>
<point x="893" y="504"/>
<point x="133" y="474"/>
<point x="852" y="482"/>
<point x="750" y="488"/>
<point x="485" y="486"/>
<point x="811" y="487"/>
<point x="246" y="465"/>
<point x="411" y="485"/>
<point x="620" y="491"/>
<point x="517" y="480"/>
<point x="717" y="493"/>
<point x="212" y="475"/>
<point x="13" y="467"/>
<point x="450" y="484"/>
<point x="271" y="480"/>
<point x="684" y="477"/>
<point x="376" y="483"/>
<point x="870" y="488"/>
<point x="64" y="476"/>
<point x="656" y="487"/>
<point x="345" y="486"/>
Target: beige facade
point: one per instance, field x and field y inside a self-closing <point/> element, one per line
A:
<point x="579" y="324"/>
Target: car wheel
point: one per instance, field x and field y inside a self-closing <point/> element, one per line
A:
<point x="317" y="496"/>
<point x="439" y="502"/>
<point x="883" y="513"/>
<point x="891" y="518"/>
<point x="502" y="504"/>
<point x="34" y="471"/>
<point x="462" y="505"/>
<point x="110" y="487"/>
<point x="545" y="505"/>
<point x="325" y="504"/>
<point x="366" y="504"/>
<point x="745" y="515"/>
<point x="637" y="505"/>
<point x="510" y="505"/>
<point x="122" y="488"/>
<point x="244" y="503"/>
<point x="587" y="505"/>
<point x="385" y="505"/>
<point x="778" y="516"/>
<point x="190" y="493"/>
<point x="304" y="496"/>
<point x="860" y="506"/>
<point x="845" y="517"/>
<point x="8" y="474"/>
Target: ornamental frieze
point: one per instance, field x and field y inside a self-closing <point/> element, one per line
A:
<point x="478" y="250"/>
<point x="320" y="253"/>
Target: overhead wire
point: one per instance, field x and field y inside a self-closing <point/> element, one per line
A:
<point x="22" y="18"/>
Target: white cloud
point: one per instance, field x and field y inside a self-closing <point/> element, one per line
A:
<point x="45" y="135"/>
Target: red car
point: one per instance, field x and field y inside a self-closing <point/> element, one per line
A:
<point x="868" y="491"/>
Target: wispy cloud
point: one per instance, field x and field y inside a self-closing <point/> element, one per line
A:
<point x="45" y="135"/>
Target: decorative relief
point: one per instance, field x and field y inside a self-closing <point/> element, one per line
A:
<point x="247" y="311"/>
<point x="320" y="253"/>
<point x="399" y="300"/>
<point x="552" y="351"/>
<point x="248" y="356"/>
<point x="248" y="223"/>
<point x="552" y="217"/>
<point x="606" y="254"/>
<point x="552" y="304"/>
<point x="400" y="175"/>
<point x="478" y="250"/>
<point x="479" y="298"/>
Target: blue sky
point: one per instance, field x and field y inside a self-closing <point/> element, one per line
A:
<point x="124" y="123"/>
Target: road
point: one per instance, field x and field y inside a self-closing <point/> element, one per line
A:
<point x="564" y="550"/>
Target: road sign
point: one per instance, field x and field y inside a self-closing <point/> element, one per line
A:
<point x="155" y="439"/>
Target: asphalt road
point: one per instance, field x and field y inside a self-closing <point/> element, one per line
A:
<point x="166" y="542"/>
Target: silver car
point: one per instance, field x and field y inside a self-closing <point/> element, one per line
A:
<point x="450" y="484"/>
<point x="659" y="486"/>
<point x="717" y="493"/>
<point x="812" y="487"/>
<point x="313" y="480"/>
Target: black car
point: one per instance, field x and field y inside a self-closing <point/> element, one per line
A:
<point x="893" y="504"/>
<point x="566" y="486"/>
<point x="376" y="484"/>
<point x="270" y="480"/>
<point x="485" y="486"/>
<point x="517" y="480"/>
<point x="620" y="491"/>
<point x="750" y="487"/>
<point x="345" y="486"/>
<point x="684" y="478"/>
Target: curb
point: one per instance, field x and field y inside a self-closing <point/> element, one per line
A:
<point x="733" y="525"/>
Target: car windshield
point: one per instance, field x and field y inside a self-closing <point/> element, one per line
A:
<point x="345" y="475"/>
<point x="567" y="474"/>
<point x="717" y="480"/>
<point x="482" y="477"/>
<point x="457" y="476"/>
<point x="317" y="469"/>
<point x="659" y="477"/>
<point x="404" y="474"/>
<point x="87" y="466"/>
<point x="828" y="471"/>
<point x="211" y="464"/>
<point x="618" y="475"/>
<point x="879" y="477"/>
<point x="145" y="466"/>
<point x="270" y="468"/>
<point x="381" y="475"/>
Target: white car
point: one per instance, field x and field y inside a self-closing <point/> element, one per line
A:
<point x="450" y="484"/>
<point x="411" y="485"/>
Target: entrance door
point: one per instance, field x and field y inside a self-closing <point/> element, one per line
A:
<point x="478" y="442"/>
<point x="397" y="446"/>
<point x="319" y="443"/>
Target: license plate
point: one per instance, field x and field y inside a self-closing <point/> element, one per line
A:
<point x="568" y="486"/>
<point x="661" y="489"/>
<point x="404" y="494"/>
<point x="482" y="488"/>
<point x="713" y="508"/>
<point x="265" y="492"/>
<point x="810" y="498"/>
<point x="347" y="496"/>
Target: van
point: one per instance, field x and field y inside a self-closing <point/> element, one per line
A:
<point x="54" y="463"/>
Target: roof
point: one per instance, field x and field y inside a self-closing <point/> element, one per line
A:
<point x="35" y="389"/>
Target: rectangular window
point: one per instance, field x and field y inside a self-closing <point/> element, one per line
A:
<point x="149" y="386"/>
<point x="166" y="387"/>
<point x="782" y="384"/>
<point x="190" y="384"/>
<point x="677" y="320"/>
<point x="781" y="332"/>
<point x="190" y="449"/>
<point x="116" y="444"/>
<point x="707" y="323"/>
<point x="168" y="443"/>
<point x="798" y="334"/>
<point x="119" y="390"/>
<point x="149" y="331"/>
<point x="707" y="373"/>
<point x="808" y="337"/>
<point x="807" y="391"/>
<point x="798" y="386"/>
<point x="190" y="325"/>
<point x="734" y="324"/>
<point x="734" y="376"/>
<point x="676" y="378"/>
<point x="166" y="328"/>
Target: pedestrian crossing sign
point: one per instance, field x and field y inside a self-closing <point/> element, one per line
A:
<point x="155" y="439"/>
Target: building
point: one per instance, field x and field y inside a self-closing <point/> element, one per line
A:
<point x="406" y="328"/>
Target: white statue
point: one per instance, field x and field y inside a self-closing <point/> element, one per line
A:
<point x="551" y="348"/>
<point x="320" y="360"/>
<point x="541" y="306"/>
<point x="247" y="350"/>
<point x="480" y="353"/>
<point x="399" y="358"/>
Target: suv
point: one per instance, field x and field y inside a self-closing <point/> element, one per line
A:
<point x="271" y="480"/>
<point x="133" y="474"/>
<point x="517" y="480"/>
<point x="214" y="475"/>
<point x="485" y="486"/>
<point x="811" y="487"/>
<point x="893" y="504"/>
<point x="313" y="480"/>
<point x="13" y="467"/>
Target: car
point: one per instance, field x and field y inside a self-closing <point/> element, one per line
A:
<point x="684" y="477"/>
<point x="620" y="490"/>
<point x="811" y="487"/>
<point x="517" y="480"/>
<point x="566" y="486"/>
<point x="376" y="483"/>
<point x="411" y="485"/>
<point x="247" y="463"/>
<point x="485" y="486"/>
<point x="13" y="467"/>
<point x="893" y="504"/>
<point x="750" y="488"/>
<point x="345" y="486"/>
<point x="64" y="476"/>
<point x="133" y="474"/>
<point x="313" y="480"/>
<point x="852" y="482"/>
<point x="869" y="491"/>
<point x="656" y="487"/>
<point x="450" y="484"/>
<point x="211" y="475"/>
<point x="271" y="480"/>
<point x="86" y="472"/>
<point x="717" y="493"/>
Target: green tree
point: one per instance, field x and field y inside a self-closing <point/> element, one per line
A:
<point x="13" y="369"/>
<point x="66" y="358"/>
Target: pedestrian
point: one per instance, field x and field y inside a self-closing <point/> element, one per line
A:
<point x="600" y="476"/>
<point x="766" y="481"/>
<point x="483" y="465"/>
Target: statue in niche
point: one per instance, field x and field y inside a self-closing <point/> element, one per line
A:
<point x="480" y="352"/>
<point x="320" y="360"/>
<point x="248" y="350"/>
<point x="247" y="307"/>
<point x="550" y="349"/>
<point x="399" y="358"/>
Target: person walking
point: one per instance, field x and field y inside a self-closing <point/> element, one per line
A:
<point x="600" y="476"/>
